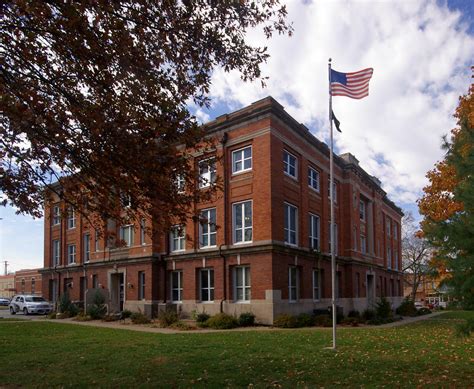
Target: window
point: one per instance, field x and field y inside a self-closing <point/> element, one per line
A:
<point x="242" y="222"/>
<point x="126" y="200"/>
<point x="242" y="160"/>
<point x="395" y="259"/>
<point x="87" y="247"/>
<point x="207" y="228"/>
<point x="23" y="283"/>
<point x="56" y="252"/>
<point x="362" y="210"/>
<point x="141" y="285"/>
<point x="389" y="229"/>
<point x="71" y="254"/>
<point x="293" y="283"/>
<point x="177" y="286"/>
<point x="395" y="230"/>
<point x="242" y="283"/>
<point x="142" y="231"/>
<point x="291" y="216"/>
<point x="33" y="285"/>
<point x="334" y="194"/>
<point x="56" y="215"/>
<point x="290" y="164"/>
<point x="95" y="281"/>
<point x="313" y="179"/>
<point x="363" y="244"/>
<point x="178" y="238"/>
<point x="335" y="238"/>
<point x="96" y="242"/>
<point x="180" y="183"/>
<point x="126" y="234"/>
<point x="207" y="173"/>
<point x="71" y="218"/>
<point x="389" y="258"/>
<point x="314" y="231"/>
<point x="207" y="285"/>
<point x="316" y="285"/>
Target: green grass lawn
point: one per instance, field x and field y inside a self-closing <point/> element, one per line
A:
<point x="54" y="354"/>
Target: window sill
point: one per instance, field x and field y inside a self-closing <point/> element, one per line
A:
<point x="242" y="243"/>
<point x="242" y="302"/>
<point x="292" y="177"/>
<point x="241" y="172"/>
<point x="316" y="191"/>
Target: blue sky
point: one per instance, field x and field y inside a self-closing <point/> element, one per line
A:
<point x="421" y="52"/>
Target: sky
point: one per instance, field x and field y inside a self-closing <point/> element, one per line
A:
<point x="421" y="52"/>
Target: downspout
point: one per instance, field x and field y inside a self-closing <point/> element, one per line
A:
<point x="224" y="258"/>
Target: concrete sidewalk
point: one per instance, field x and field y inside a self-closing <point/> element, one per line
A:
<point x="144" y="328"/>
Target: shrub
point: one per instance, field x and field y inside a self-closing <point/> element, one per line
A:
<point x="126" y="314"/>
<point x="222" y="321"/>
<point x="246" y="319"/>
<point x="66" y="307"/>
<point x="304" y="320"/>
<point x="181" y="326"/>
<point x="285" y="321"/>
<point x="168" y="317"/>
<point x="52" y="315"/>
<point x="423" y="311"/>
<point x="351" y="321"/>
<point x="353" y="314"/>
<point x="407" y="308"/>
<point x="202" y="317"/>
<point x="139" y="318"/>
<point x="82" y="317"/>
<point x="109" y="318"/>
<point x="98" y="308"/>
<point x="463" y="330"/>
<point x="323" y="321"/>
<point x="368" y="314"/>
<point x="383" y="309"/>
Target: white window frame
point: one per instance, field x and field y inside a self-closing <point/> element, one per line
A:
<point x="142" y="231"/>
<point x="141" y="285"/>
<point x="209" y="274"/>
<point x="71" y="254"/>
<point x="180" y="183"/>
<point x="287" y="164"/>
<point x="314" y="183"/>
<point x="131" y="237"/>
<point x="293" y="289"/>
<point x="56" y="215"/>
<point x="87" y="247"/>
<point x="177" y="239"/>
<point x="208" y="178"/>
<point x="71" y="218"/>
<point x="316" y="285"/>
<point x="287" y="228"/>
<point x="206" y="223"/>
<point x="241" y="153"/>
<point x="246" y="286"/>
<point x="178" y="288"/>
<point x="56" y="252"/>
<point x="239" y="209"/>
<point x="312" y="236"/>
<point x="362" y="210"/>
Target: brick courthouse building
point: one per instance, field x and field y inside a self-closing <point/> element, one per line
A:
<point x="270" y="252"/>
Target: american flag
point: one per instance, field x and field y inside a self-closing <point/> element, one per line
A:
<point x="354" y="85"/>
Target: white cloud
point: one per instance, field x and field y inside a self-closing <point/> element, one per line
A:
<point x="421" y="54"/>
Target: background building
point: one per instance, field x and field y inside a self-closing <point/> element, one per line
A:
<point x="261" y="245"/>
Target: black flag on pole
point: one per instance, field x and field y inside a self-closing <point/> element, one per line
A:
<point x="337" y="123"/>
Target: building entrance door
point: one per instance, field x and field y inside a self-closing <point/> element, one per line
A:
<point x="117" y="292"/>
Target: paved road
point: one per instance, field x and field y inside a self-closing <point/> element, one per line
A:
<point x="4" y="313"/>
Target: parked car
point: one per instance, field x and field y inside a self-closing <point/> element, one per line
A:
<point x="418" y="305"/>
<point x="4" y="301"/>
<point x="29" y="304"/>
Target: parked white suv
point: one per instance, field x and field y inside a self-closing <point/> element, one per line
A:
<point x="29" y="304"/>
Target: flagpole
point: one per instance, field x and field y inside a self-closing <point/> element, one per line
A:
<point x="331" y="232"/>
